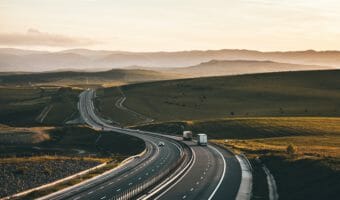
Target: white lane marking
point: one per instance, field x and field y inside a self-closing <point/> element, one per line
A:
<point x="223" y="174"/>
<point x="103" y="197"/>
<point x="111" y="183"/>
<point x="76" y="198"/>
<point x="102" y="187"/>
<point x="90" y="192"/>
<point x="192" y="164"/>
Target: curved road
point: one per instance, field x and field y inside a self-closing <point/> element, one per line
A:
<point x="154" y="161"/>
<point x="214" y="173"/>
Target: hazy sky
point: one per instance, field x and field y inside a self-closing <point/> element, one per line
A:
<point x="169" y="25"/>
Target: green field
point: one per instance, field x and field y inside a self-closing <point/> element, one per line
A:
<point x="21" y="106"/>
<point x="312" y="93"/>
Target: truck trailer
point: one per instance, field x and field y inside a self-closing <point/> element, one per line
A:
<point x="202" y="139"/>
<point x="187" y="135"/>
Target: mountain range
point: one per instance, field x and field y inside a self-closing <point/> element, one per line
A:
<point x="15" y="60"/>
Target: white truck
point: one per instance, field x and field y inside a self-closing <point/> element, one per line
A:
<point x="187" y="135"/>
<point x="202" y="139"/>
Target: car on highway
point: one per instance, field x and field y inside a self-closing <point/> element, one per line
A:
<point x="161" y="144"/>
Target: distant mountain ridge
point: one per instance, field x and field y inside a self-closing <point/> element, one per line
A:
<point x="235" y="67"/>
<point x="84" y="59"/>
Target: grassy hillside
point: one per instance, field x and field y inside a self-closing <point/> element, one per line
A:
<point x="312" y="93"/>
<point x="26" y="106"/>
<point x="83" y="79"/>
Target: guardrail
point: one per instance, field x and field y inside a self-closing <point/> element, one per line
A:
<point x="141" y="187"/>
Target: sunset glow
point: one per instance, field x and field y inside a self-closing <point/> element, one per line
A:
<point x="170" y="25"/>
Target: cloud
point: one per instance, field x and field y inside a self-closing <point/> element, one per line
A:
<point x="34" y="37"/>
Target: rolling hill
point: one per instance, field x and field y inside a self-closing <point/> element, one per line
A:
<point x="305" y="93"/>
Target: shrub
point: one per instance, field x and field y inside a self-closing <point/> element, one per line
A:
<point x="291" y="149"/>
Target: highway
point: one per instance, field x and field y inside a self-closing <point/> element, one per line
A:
<point x="155" y="160"/>
<point x="203" y="173"/>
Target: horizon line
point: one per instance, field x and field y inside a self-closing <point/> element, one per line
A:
<point x="174" y="51"/>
